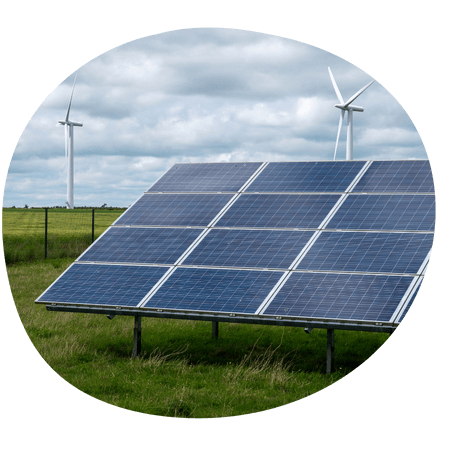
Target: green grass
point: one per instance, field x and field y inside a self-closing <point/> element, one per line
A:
<point x="182" y="371"/>
<point x="69" y="232"/>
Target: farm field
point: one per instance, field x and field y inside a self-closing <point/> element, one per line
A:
<point x="69" y="232"/>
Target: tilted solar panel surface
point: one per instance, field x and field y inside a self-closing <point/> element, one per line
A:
<point x="345" y="241"/>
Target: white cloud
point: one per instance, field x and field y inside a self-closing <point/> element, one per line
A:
<point x="263" y="114"/>
<point x="192" y="96"/>
<point x="389" y="136"/>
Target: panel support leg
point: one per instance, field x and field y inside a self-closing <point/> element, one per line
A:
<point x="215" y="330"/>
<point x="137" y="336"/>
<point x="330" y="351"/>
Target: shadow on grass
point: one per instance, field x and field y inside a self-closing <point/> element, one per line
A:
<point x="300" y="352"/>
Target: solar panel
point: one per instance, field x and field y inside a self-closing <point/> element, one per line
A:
<point x="385" y="212"/>
<point x="316" y="241"/>
<point x="174" y="209"/>
<point x="217" y="290"/>
<point x="339" y="296"/>
<point x="278" y="211"/>
<point x="249" y="248"/>
<point x="141" y="245"/>
<point x="212" y="177"/>
<point x="368" y="252"/>
<point x="397" y="176"/>
<point x="101" y="284"/>
<point x="324" y="176"/>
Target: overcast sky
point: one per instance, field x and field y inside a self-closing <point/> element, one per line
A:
<point x="192" y="96"/>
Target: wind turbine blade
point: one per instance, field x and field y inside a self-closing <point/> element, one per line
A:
<point x="336" y="89"/>
<point x="357" y="94"/>
<point x="341" y="118"/>
<point x="70" y="101"/>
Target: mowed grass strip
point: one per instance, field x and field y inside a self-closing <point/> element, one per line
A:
<point x="182" y="371"/>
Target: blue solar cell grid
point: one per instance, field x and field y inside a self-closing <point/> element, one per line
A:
<point x="330" y="176"/>
<point x="249" y="248"/>
<point x="174" y="209"/>
<point x="217" y="290"/>
<point x="278" y="211"/>
<point x="385" y="212"/>
<point x="397" y="176"/>
<point x="368" y="252"/>
<point x="212" y="177"/>
<point x="389" y="197"/>
<point x="141" y="245"/>
<point x="339" y="296"/>
<point x="100" y="284"/>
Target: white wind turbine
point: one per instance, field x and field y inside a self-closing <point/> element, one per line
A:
<point x="346" y="106"/>
<point x="68" y="125"/>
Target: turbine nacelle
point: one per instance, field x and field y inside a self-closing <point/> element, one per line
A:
<point x="69" y="122"/>
<point x="353" y="107"/>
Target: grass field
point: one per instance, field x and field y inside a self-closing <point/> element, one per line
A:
<point x="182" y="371"/>
<point x="69" y="232"/>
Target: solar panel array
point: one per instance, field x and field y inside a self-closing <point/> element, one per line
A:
<point x="332" y="240"/>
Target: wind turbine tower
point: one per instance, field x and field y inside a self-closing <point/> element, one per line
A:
<point x="347" y="106"/>
<point x="68" y="126"/>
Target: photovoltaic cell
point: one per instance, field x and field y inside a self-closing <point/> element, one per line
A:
<point x="278" y="211"/>
<point x="215" y="290"/>
<point x="339" y="296"/>
<point x="174" y="209"/>
<point x="397" y="176"/>
<point x="385" y="212"/>
<point x="329" y="176"/>
<point x="368" y="252"/>
<point x="100" y="284"/>
<point x="212" y="177"/>
<point x="141" y="245"/>
<point x="249" y="248"/>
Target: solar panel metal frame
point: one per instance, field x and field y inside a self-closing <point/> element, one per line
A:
<point x="241" y="317"/>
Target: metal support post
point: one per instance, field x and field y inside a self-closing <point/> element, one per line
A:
<point x="137" y="336"/>
<point x="215" y="330"/>
<point x="330" y="351"/>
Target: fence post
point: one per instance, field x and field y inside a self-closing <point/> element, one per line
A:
<point x="93" y="225"/>
<point x="46" y="226"/>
